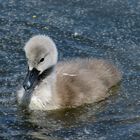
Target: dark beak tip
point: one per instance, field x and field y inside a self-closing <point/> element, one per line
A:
<point x="26" y="85"/>
<point x="30" y="79"/>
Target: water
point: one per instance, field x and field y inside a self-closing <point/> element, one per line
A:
<point x="108" y="29"/>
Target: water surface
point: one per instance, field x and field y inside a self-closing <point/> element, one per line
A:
<point x="108" y="29"/>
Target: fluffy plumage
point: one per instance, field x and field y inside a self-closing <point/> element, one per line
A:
<point x="71" y="83"/>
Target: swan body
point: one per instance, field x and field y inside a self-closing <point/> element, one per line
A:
<point x="64" y="84"/>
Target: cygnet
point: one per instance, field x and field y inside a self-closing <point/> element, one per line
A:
<point x="50" y="85"/>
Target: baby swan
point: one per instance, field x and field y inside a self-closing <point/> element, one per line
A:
<point x="50" y="85"/>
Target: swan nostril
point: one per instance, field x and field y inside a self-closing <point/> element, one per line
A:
<point x="31" y="75"/>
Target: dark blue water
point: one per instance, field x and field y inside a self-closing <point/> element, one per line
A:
<point x="108" y="29"/>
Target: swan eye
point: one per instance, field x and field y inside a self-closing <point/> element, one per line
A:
<point x="41" y="60"/>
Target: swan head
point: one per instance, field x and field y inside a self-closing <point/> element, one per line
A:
<point x="41" y="54"/>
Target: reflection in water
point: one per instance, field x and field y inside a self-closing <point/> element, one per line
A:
<point x="54" y="123"/>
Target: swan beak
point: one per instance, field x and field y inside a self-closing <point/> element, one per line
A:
<point x="31" y="77"/>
